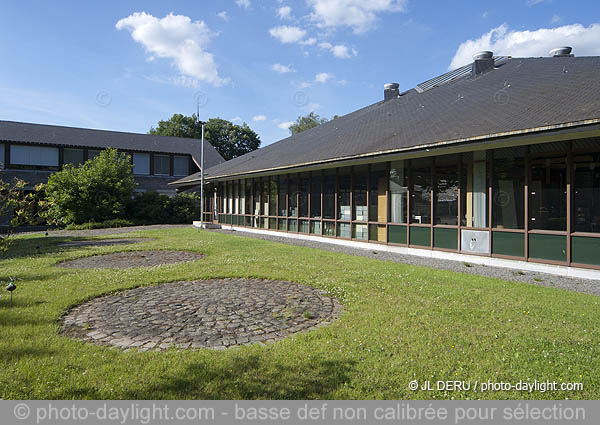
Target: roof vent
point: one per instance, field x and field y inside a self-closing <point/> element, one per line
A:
<point x="559" y="52"/>
<point x="391" y="91"/>
<point x="482" y="62"/>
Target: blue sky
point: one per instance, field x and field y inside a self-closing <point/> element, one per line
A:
<point x="126" y="65"/>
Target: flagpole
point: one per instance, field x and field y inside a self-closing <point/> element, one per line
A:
<point x="202" y="178"/>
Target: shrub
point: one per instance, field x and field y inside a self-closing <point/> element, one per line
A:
<point x="117" y="222"/>
<point x="155" y="208"/>
<point x="95" y="191"/>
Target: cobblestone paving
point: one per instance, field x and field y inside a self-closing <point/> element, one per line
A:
<point x="216" y="313"/>
<point x="105" y="242"/>
<point x="130" y="259"/>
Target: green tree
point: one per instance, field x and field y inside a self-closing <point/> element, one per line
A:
<point x="230" y="140"/>
<point x="307" y="122"/>
<point x="19" y="204"/>
<point x="95" y="191"/>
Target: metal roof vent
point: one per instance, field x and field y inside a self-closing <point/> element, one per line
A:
<point x="559" y="52"/>
<point x="391" y="91"/>
<point x="482" y="62"/>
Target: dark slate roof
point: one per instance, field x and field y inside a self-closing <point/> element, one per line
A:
<point x="21" y="132"/>
<point x="520" y="94"/>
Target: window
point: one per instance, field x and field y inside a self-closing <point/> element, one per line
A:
<point x="587" y="193"/>
<point x="378" y="185"/>
<point x="273" y="197"/>
<point x="303" y="194"/>
<point x="360" y="231"/>
<point x="73" y="156"/>
<point x="293" y="196"/>
<point x="161" y="165"/>
<point x="508" y="182"/>
<point x="420" y="200"/>
<point x="93" y="153"/>
<point x="474" y="190"/>
<point x="398" y="192"/>
<point x="41" y="156"/>
<point x="359" y="195"/>
<point x="315" y="197"/>
<point x="265" y="196"/>
<point x="236" y="198"/>
<point x="141" y="163"/>
<point x="256" y="198"/>
<point x="329" y="196"/>
<point x="2" y="164"/>
<point x="283" y="190"/>
<point x="248" y="197"/>
<point x="344" y="230"/>
<point x="446" y="190"/>
<point x="548" y="194"/>
<point x="181" y="166"/>
<point x="344" y="209"/>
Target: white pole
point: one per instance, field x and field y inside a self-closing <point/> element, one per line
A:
<point x="202" y="179"/>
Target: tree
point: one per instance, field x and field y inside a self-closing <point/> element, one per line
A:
<point x="229" y="139"/>
<point x="95" y="191"/>
<point x="307" y="122"/>
<point x="18" y="203"/>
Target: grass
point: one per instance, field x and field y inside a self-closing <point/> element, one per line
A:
<point x="399" y="323"/>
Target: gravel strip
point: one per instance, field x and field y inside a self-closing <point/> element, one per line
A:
<point x="542" y="279"/>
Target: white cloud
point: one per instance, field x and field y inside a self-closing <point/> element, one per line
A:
<point x="178" y="38"/>
<point x="555" y="18"/>
<point x="308" y="42"/>
<point x="223" y="15"/>
<point x="284" y="12"/>
<point x="360" y="15"/>
<point x="340" y="51"/>
<point x="323" y="77"/>
<point x="503" y="41"/>
<point x="259" y="118"/>
<point x="534" y="2"/>
<point x="235" y="119"/>
<point x="282" y="69"/>
<point x="287" y="34"/>
<point x="243" y="3"/>
<point x="285" y="125"/>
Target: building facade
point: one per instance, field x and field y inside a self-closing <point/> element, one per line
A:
<point x="497" y="163"/>
<point x="32" y="152"/>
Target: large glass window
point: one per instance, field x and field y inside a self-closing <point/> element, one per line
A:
<point x="2" y="164"/>
<point x="548" y="194"/>
<point x="344" y="186"/>
<point x="303" y="194"/>
<point x="229" y="198"/>
<point x="93" y="153"/>
<point x="398" y="192"/>
<point x="265" y="196"/>
<point x="141" y="163"/>
<point x="161" y="165"/>
<point x="248" y="197"/>
<point x="236" y="198"/>
<point x="378" y="183"/>
<point x="181" y="166"/>
<point x="73" y="156"/>
<point x="508" y="182"/>
<point x="446" y="190"/>
<point x="257" y="190"/>
<point x="359" y="195"/>
<point x="587" y="193"/>
<point x="315" y="197"/>
<point x="42" y="156"/>
<point x="474" y="190"/>
<point x="293" y="195"/>
<point x="283" y="191"/>
<point x="329" y="196"/>
<point x="420" y="199"/>
<point x="273" y="197"/>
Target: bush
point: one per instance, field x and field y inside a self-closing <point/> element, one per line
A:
<point x="117" y="222"/>
<point x="155" y="208"/>
<point x="96" y="191"/>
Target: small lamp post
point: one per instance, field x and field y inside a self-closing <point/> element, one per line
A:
<point x="10" y="288"/>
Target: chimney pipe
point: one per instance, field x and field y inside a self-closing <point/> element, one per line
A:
<point x="391" y="91"/>
<point x="482" y="62"/>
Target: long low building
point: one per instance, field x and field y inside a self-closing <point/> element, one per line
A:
<point x="33" y="151"/>
<point x="497" y="162"/>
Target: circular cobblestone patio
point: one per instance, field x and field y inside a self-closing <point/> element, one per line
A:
<point x="216" y="313"/>
<point x="130" y="259"/>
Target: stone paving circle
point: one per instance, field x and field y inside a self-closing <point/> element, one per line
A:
<point x="215" y="313"/>
<point x="105" y="242"/>
<point x="130" y="259"/>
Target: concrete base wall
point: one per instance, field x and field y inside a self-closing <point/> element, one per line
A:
<point x="573" y="272"/>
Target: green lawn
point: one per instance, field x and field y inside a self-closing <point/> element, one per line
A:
<point x="399" y="323"/>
